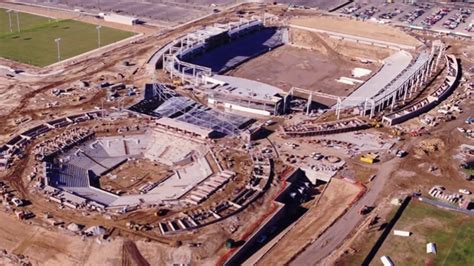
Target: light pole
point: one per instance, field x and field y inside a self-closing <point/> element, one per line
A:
<point x="98" y="35"/>
<point x="18" y="21"/>
<point x="9" y="19"/>
<point x="57" y="40"/>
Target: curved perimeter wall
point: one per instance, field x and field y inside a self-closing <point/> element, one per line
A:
<point x="430" y="101"/>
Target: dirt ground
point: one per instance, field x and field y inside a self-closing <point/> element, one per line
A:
<point x="356" y="27"/>
<point x="289" y="66"/>
<point x="333" y="48"/>
<point x="41" y="248"/>
<point x="133" y="174"/>
<point x="337" y="196"/>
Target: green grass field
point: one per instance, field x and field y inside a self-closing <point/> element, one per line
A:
<point x="452" y="232"/>
<point x="35" y="44"/>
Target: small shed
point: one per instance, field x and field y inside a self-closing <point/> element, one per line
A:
<point x="431" y="248"/>
<point x="401" y="233"/>
<point x="386" y="261"/>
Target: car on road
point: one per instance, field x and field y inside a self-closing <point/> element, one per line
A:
<point x="365" y="210"/>
<point x="261" y="239"/>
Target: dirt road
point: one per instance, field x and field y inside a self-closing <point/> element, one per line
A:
<point x="335" y="235"/>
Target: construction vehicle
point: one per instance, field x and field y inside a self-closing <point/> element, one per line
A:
<point x="365" y="210"/>
<point x="375" y="124"/>
<point x="18" y="202"/>
<point x="24" y="215"/>
<point x="401" y="153"/>
<point x="418" y="132"/>
<point x="177" y="82"/>
<point x="396" y="132"/>
<point x="161" y="212"/>
<point x="368" y="158"/>
<point x="230" y="243"/>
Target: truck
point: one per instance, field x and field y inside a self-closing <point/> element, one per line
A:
<point x="401" y="153"/>
<point x="365" y="210"/>
<point x="17" y="202"/>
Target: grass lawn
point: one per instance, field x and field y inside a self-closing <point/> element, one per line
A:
<point x="35" y="44"/>
<point x="26" y="21"/>
<point x="452" y="232"/>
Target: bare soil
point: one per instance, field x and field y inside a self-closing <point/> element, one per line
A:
<point x="356" y="27"/>
<point x="133" y="174"/>
<point x="291" y="66"/>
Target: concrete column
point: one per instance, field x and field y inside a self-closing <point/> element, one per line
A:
<point x="433" y="66"/>
<point x="405" y="87"/>
<point x="310" y="99"/>
<point x="394" y="98"/>
<point x="426" y="73"/>
<point x="418" y="82"/>
<point x="182" y="74"/>
<point x="171" y="72"/>
<point x="365" y="106"/>
<point x="438" y="58"/>
<point x="412" y="84"/>
<point x="337" y="110"/>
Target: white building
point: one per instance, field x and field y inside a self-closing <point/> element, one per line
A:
<point x="115" y="18"/>
<point x="244" y="95"/>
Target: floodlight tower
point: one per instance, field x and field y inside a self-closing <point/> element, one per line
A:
<point x="58" y="40"/>
<point x="17" y="20"/>
<point x="9" y="11"/>
<point x="98" y="34"/>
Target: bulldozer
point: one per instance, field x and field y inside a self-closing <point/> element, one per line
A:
<point x="375" y="124"/>
<point x="396" y="132"/>
<point x="177" y="82"/>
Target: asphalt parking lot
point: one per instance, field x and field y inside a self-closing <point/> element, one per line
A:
<point x="437" y="17"/>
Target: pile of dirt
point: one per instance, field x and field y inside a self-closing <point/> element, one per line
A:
<point x="429" y="147"/>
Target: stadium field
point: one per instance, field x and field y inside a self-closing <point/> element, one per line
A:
<point x="35" y="44"/>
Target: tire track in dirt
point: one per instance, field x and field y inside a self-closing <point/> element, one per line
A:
<point x="131" y="255"/>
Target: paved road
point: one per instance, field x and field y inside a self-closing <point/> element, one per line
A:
<point x="445" y="205"/>
<point x="336" y="234"/>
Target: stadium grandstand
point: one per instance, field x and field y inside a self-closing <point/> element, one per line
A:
<point x="200" y="56"/>
<point x="431" y="100"/>
<point x="77" y="171"/>
<point x="405" y="77"/>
